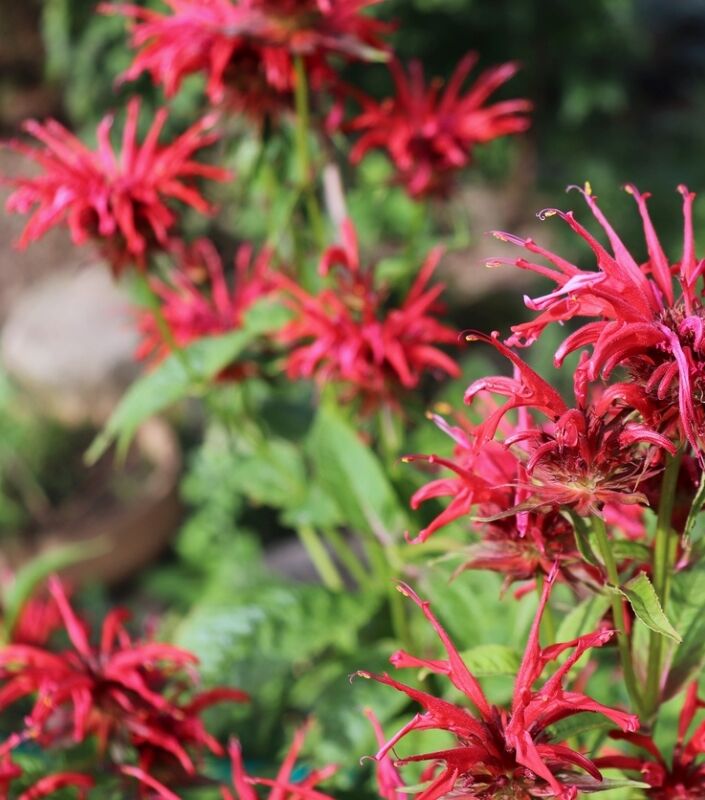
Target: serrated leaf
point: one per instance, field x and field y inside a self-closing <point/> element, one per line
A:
<point x="645" y="604"/>
<point x="353" y="476"/>
<point x="181" y="374"/>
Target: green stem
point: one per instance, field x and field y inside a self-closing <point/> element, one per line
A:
<point x="347" y="556"/>
<point x="623" y="642"/>
<point x="320" y="558"/>
<point x="662" y="568"/>
<point x="303" y="126"/>
<point x="548" y="623"/>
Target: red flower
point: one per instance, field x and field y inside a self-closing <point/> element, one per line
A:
<point x="345" y="334"/>
<point x="246" y="48"/>
<point x="647" y="318"/>
<point x="684" y="778"/>
<point x="44" y="787"/>
<point x="119" y="690"/>
<point x="503" y="753"/>
<point x="284" y="786"/>
<point x="593" y="454"/>
<point x="489" y="483"/>
<point x="198" y="301"/>
<point x="122" y="202"/>
<point x="430" y="132"/>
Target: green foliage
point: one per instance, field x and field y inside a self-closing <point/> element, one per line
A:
<point x="182" y="373"/>
<point x="645" y="604"/>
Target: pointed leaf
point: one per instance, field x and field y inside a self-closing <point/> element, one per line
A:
<point x="180" y="375"/>
<point x="645" y="604"/>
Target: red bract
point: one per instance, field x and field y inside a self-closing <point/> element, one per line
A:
<point x="684" y="777"/>
<point x="44" y="787"/>
<point x="198" y="301"/>
<point x="246" y="49"/>
<point x="119" y="691"/>
<point x="122" y="202"/>
<point x="647" y="318"/>
<point x="504" y="753"/>
<point x="346" y="333"/>
<point x="596" y="453"/>
<point x="430" y="131"/>
<point x="284" y="786"/>
<point x="390" y="785"/>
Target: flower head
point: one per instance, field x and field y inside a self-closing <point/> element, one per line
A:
<point x="198" y="301"/>
<point x="430" y="131"/>
<point x="681" y="779"/>
<point x="246" y="48"/>
<point x="646" y="318"/>
<point x="595" y="453"/>
<point x="346" y="334"/>
<point x="503" y="752"/>
<point x="123" y="202"/>
<point x="118" y="691"/>
<point x="284" y="786"/>
<point x="488" y="485"/>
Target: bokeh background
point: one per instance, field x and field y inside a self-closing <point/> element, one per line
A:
<point x="619" y="94"/>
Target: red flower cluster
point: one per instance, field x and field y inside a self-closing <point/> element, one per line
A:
<point x="122" y="202"/>
<point x="645" y="318"/>
<point x="503" y="753"/>
<point x="198" y="301"/>
<point x="120" y="692"/>
<point x="345" y="334"/>
<point x="430" y="132"/>
<point x="246" y="48"/>
<point x="284" y="786"/>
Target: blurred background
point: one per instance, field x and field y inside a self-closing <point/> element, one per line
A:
<point x="619" y="94"/>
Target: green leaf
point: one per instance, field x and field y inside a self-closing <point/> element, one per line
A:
<point x="486" y="660"/>
<point x="687" y="609"/>
<point x="579" y="724"/>
<point x="695" y="515"/>
<point x="28" y="577"/>
<point x="583" y="536"/>
<point x="583" y="618"/>
<point x="353" y="476"/>
<point x="645" y="604"/>
<point x="180" y="374"/>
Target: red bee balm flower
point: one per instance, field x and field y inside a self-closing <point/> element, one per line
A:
<point x="684" y="778"/>
<point x="431" y="131"/>
<point x="647" y="318"/>
<point x="593" y="454"/>
<point x="118" y="691"/>
<point x="123" y="203"/>
<point x="345" y="334"/>
<point x="246" y="48"/>
<point x="284" y="786"/>
<point x="504" y="753"/>
<point x="198" y="301"/>
<point x="489" y="481"/>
